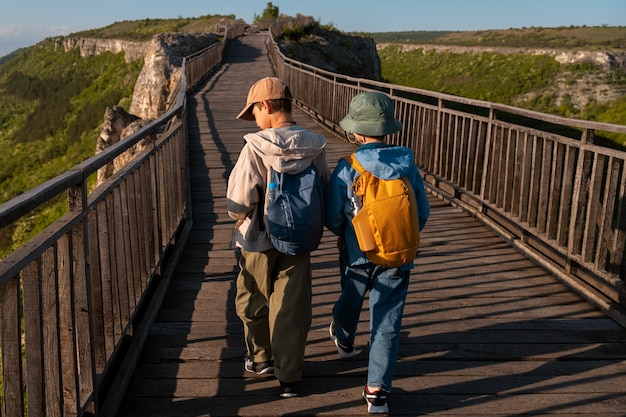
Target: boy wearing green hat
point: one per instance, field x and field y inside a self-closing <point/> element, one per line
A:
<point x="370" y="119"/>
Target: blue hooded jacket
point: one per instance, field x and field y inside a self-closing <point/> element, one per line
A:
<point x="384" y="161"/>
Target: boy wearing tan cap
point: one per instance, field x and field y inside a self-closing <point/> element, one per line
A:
<point x="273" y="288"/>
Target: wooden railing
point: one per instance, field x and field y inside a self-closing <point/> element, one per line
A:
<point x="538" y="180"/>
<point x="77" y="300"/>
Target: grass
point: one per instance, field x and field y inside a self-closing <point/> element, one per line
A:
<point x="572" y="37"/>
<point x="143" y="30"/>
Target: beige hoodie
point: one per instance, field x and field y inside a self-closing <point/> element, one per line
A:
<point x="289" y="150"/>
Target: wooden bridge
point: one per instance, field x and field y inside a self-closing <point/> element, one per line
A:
<point x="485" y="330"/>
<point x="490" y="328"/>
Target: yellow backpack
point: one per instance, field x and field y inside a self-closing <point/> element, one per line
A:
<point x="387" y="225"/>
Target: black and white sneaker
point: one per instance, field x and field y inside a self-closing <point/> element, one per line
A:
<point x="344" y="350"/>
<point x="289" y="389"/>
<point x="376" y="401"/>
<point x="260" y="368"/>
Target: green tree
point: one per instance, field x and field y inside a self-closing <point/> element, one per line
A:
<point x="271" y="12"/>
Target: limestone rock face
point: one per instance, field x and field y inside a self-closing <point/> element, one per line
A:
<point x="156" y="86"/>
<point x="606" y="60"/>
<point x="163" y="56"/>
<point x="93" y="46"/>
<point x="153" y="86"/>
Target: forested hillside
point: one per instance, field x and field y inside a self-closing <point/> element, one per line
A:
<point x="53" y="101"/>
<point x="53" y="104"/>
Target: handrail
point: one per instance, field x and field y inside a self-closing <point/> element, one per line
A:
<point x="76" y="301"/>
<point x="537" y="180"/>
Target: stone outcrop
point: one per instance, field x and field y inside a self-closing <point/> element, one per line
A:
<point x="93" y="46"/>
<point x="163" y="56"/>
<point x="330" y="50"/>
<point x="155" y="89"/>
<point x="118" y="124"/>
<point x="161" y="74"/>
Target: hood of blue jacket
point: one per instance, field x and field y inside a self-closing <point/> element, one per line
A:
<point x="385" y="161"/>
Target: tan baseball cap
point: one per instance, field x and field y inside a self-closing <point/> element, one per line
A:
<point x="269" y="88"/>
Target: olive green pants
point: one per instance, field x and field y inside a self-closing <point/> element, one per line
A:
<point x="274" y="303"/>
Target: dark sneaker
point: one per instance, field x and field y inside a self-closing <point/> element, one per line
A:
<point x="260" y="368"/>
<point x="289" y="389"/>
<point x="344" y="350"/>
<point x="376" y="401"/>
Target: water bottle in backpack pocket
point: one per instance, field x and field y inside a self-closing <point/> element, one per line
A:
<point x="361" y="223"/>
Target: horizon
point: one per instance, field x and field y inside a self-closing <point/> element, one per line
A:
<point x="20" y="27"/>
<point x="391" y="31"/>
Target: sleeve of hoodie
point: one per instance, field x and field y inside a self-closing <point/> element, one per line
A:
<point x="322" y="168"/>
<point x="243" y="193"/>
<point x="335" y="199"/>
<point x="423" y="206"/>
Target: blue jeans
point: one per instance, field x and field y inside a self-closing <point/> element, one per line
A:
<point x="387" y="294"/>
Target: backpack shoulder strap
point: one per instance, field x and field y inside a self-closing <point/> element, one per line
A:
<point x="351" y="159"/>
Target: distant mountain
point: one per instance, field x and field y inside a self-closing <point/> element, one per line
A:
<point x="10" y="56"/>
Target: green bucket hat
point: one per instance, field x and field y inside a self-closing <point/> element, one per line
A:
<point x="371" y="114"/>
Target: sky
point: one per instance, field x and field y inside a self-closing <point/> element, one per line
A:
<point x="25" y="22"/>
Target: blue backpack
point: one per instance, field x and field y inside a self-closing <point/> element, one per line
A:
<point x="295" y="211"/>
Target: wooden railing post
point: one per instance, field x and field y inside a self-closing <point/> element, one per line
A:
<point x="438" y="137"/>
<point x="81" y="301"/>
<point x="486" y="158"/>
<point x="579" y="199"/>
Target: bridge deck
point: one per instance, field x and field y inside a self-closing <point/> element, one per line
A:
<point x="485" y="333"/>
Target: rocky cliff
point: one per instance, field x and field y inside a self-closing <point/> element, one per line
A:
<point x="162" y="55"/>
<point x="155" y="87"/>
<point x="333" y="51"/>
<point x="92" y="46"/>
<point x="117" y="125"/>
<point x="161" y="71"/>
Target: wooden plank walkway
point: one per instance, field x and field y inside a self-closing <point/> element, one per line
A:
<point x="485" y="333"/>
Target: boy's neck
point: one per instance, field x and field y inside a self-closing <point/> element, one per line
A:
<point x="371" y="140"/>
<point x="283" y="123"/>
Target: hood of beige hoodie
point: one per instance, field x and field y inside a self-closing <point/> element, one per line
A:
<point x="289" y="150"/>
